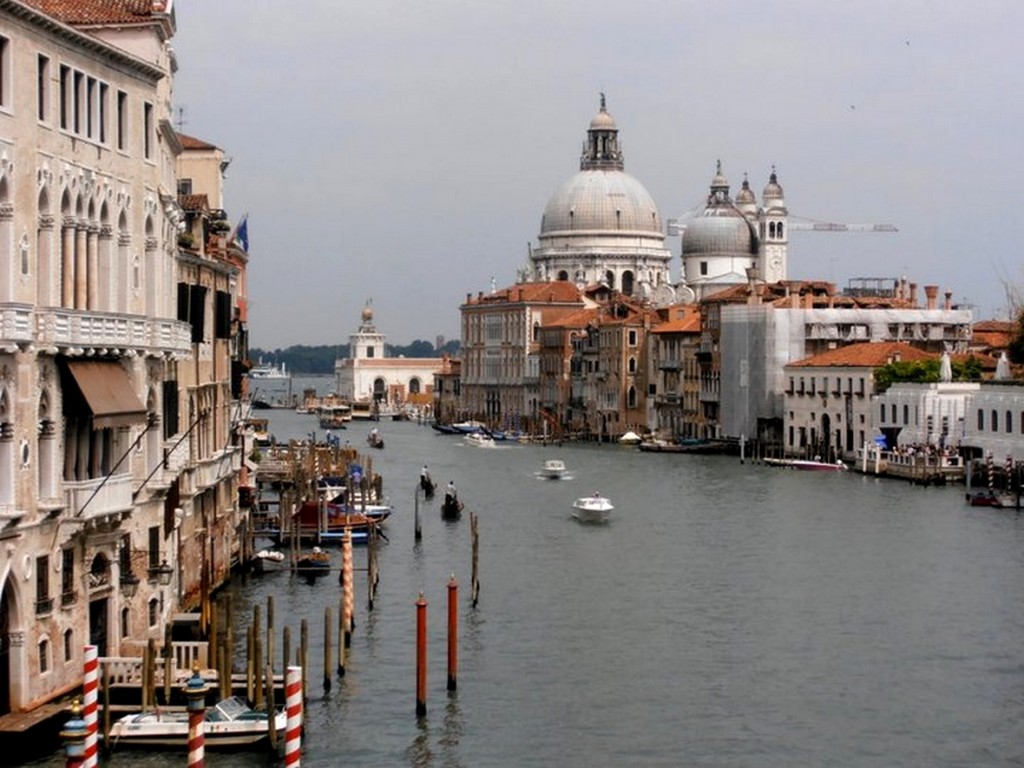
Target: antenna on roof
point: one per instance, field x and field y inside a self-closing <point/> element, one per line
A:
<point x="181" y="118"/>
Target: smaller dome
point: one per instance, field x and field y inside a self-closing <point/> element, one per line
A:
<point x="772" y="190"/>
<point x="745" y="195"/>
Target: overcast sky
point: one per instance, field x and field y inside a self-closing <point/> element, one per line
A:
<point x="403" y="152"/>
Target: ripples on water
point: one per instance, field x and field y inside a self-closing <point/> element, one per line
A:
<point x="729" y="614"/>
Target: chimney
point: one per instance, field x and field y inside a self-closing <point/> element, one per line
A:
<point x="913" y="294"/>
<point x="949" y="300"/>
<point x="932" y="293"/>
<point x="469" y="297"/>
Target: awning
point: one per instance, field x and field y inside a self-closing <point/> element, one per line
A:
<point x="108" y="392"/>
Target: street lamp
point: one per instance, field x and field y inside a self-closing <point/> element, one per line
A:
<point x="162" y="572"/>
<point x="129" y="584"/>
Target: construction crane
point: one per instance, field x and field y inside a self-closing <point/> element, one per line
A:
<point x="812" y="225"/>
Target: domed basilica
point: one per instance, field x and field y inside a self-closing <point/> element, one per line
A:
<point x="602" y="226"/>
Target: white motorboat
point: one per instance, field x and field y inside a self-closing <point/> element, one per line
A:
<point x="554" y="469"/>
<point x="230" y="723"/>
<point x="592" y="509"/>
<point x="268" y="560"/>
<point x="479" y="439"/>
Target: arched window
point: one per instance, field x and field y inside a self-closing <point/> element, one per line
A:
<point x="881" y="415"/>
<point x="627" y="283"/>
<point x="995" y="420"/>
<point x="906" y="414"/>
<point x="632" y="365"/>
<point x="69" y="645"/>
<point x="44" y="656"/>
<point x="1009" y="423"/>
<point x="154" y="612"/>
<point x="125" y="624"/>
<point x="563" y="275"/>
<point x="414" y="386"/>
<point x="981" y="420"/>
<point x="631" y="398"/>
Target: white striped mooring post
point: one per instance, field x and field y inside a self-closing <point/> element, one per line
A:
<point x="195" y="700"/>
<point x="293" y="709"/>
<point x="90" y="702"/>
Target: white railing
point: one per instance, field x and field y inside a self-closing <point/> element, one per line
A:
<point x="84" y="328"/>
<point x="15" y="324"/>
<point x="90" y="499"/>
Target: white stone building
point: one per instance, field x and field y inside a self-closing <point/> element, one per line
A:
<point x="376" y="383"/>
<point x="88" y="332"/>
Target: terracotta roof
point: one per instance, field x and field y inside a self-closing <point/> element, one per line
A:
<point x="993" y="334"/>
<point x="579" y="319"/>
<point x="194" y="202"/>
<point x="99" y="11"/>
<point x="864" y="355"/>
<point x="191" y="142"/>
<point x="554" y="292"/>
<point x="688" y="324"/>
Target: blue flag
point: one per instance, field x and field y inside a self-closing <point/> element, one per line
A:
<point x="242" y="234"/>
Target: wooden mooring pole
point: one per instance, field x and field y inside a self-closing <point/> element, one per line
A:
<point x="421" y="656"/>
<point x="474" y="527"/>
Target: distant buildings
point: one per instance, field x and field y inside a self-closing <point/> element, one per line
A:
<point x="617" y="345"/>
<point x="378" y="383"/>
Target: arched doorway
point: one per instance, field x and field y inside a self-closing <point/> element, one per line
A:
<point x="8" y="614"/>
<point x="826" y="437"/>
<point x="380" y="390"/>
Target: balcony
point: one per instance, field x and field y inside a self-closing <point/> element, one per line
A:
<point x="15" y="324"/>
<point x="95" y="499"/>
<point x="210" y="472"/>
<point x="670" y="365"/>
<point x="58" y="327"/>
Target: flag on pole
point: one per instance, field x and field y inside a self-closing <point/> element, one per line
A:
<point x="242" y="233"/>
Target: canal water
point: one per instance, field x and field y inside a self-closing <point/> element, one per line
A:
<point x="728" y="615"/>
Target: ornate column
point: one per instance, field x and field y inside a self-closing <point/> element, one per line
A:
<point x="92" y="256"/>
<point x="81" y="266"/>
<point x="67" y="262"/>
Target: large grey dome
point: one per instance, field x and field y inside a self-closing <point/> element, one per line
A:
<point x="601" y="200"/>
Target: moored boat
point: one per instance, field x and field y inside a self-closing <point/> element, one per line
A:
<point x="592" y="509"/>
<point x="314" y="563"/>
<point x="230" y="723"/>
<point x="479" y="439"/>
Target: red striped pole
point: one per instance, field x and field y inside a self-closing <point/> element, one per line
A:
<point x="293" y="708"/>
<point x="90" y="686"/>
<point x="453" y="633"/>
<point x="421" y="656"/>
<point x="195" y="698"/>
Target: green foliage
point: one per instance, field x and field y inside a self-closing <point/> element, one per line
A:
<point x="925" y="372"/>
<point x="1015" y="349"/>
<point x="301" y="359"/>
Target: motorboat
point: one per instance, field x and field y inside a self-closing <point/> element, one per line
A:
<point x="816" y="465"/>
<point x="592" y="509"/>
<point x="467" y="427"/>
<point x="630" y="438"/>
<point x="267" y="560"/>
<point x="479" y="439"/>
<point x="314" y="563"/>
<point x="554" y="469"/>
<point x="230" y="723"/>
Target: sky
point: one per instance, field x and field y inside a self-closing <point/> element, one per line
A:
<point x="402" y="153"/>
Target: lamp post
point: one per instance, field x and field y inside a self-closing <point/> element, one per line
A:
<point x="162" y="573"/>
<point x="129" y="584"/>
